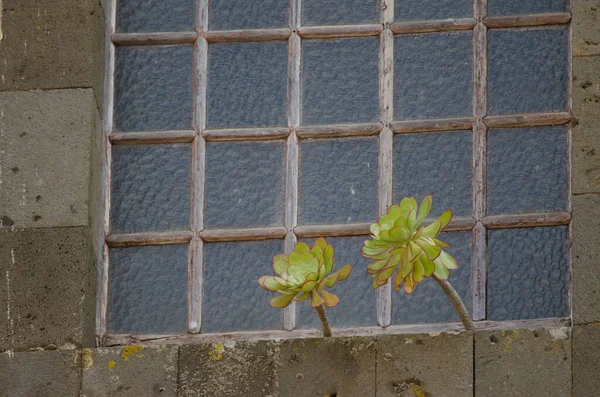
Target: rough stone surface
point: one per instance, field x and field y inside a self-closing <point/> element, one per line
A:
<point x="586" y="88"/>
<point x="130" y="371"/>
<point x="586" y="360"/>
<point x="586" y="259"/>
<point x="523" y="363"/>
<point x="49" y="44"/>
<point x="328" y="367"/>
<point x="586" y="35"/>
<point x="48" y="281"/>
<point x="40" y="374"/>
<point x="232" y="369"/>
<point x="425" y="365"/>
<point x="44" y="146"/>
<point x="586" y="157"/>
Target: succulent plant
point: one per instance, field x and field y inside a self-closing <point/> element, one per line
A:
<point x="304" y="274"/>
<point x="400" y="243"/>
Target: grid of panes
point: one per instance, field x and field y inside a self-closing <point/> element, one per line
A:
<point x="241" y="127"/>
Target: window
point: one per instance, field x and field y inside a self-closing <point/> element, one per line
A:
<point x="235" y="128"/>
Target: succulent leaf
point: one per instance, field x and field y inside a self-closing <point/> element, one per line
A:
<point x="282" y="301"/>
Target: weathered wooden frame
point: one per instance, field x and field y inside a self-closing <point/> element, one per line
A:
<point x="479" y="123"/>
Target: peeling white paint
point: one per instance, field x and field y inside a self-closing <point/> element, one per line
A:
<point x="229" y="344"/>
<point x="559" y="333"/>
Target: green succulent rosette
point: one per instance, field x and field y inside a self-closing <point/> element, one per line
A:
<point x="304" y="274"/>
<point x="400" y="243"/>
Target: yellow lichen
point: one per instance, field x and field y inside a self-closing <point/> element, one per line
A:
<point x="87" y="359"/>
<point x="132" y="351"/>
<point x="216" y="353"/>
<point x="416" y="391"/>
<point x="112" y="364"/>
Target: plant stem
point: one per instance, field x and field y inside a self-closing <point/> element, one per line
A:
<point x="324" y="321"/>
<point x="457" y="302"/>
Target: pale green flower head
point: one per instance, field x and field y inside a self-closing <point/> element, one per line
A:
<point x="400" y="243"/>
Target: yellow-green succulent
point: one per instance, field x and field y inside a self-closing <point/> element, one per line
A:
<point x="400" y="243"/>
<point x="304" y="274"/>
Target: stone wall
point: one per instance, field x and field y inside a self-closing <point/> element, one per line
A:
<point x="51" y="61"/>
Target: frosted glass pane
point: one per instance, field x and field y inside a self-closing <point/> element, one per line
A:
<point x="339" y="12"/>
<point x="512" y="7"/>
<point x="244" y="14"/>
<point x="155" y="16"/>
<point x="420" y="10"/>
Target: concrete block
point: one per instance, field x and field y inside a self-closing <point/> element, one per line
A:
<point x="523" y="363"/>
<point x="40" y="374"/>
<point x="49" y="289"/>
<point x="586" y="157"/>
<point x="425" y="365"/>
<point x="586" y="259"/>
<point x="586" y="31"/>
<point x="328" y="367"/>
<point x="130" y="371"/>
<point x="49" y="44"/>
<point x="244" y="369"/>
<point x="586" y="89"/>
<point x="45" y="143"/>
<point x="586" y="360"/>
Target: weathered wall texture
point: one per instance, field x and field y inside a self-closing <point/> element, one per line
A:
<point x="51" y="61"/>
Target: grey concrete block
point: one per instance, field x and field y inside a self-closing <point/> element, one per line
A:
<point x="586" y="259"/>
<point x="49" y="289"/>
<point x="45" y="143"/>
<point x="586" y="88"/>
<point x="586" y="157"/>
<point x="425" y="365"/>
<point x="130" y="371"/>
<point x="523" y="363"/>
<point x="49" y="44"/>
<point x="232" y="369"/>
<point x="40" y="374"/>
<point x="586" y="31"/>
<point x="586" y="360"/>
<point x="326" y="367"/>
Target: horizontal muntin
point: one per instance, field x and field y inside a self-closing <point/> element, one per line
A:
<point x="442" y="25"/>
<point x="339" y="130"/>
<point x="322" y="32"/>
<point x="220" y="36"/>
<point x="527" y="120"/>
<point x="245" y="134"/>
<point x="513" y="21"/>
<point x="124" y="39"/>
<point x="153" y="238"/>
<point x="432" y="125"/>
<point x="526" y="220"/>
<point x="146" y="137"/>
<point x="259" y="233"/>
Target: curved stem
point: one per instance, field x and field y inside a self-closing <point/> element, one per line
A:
<point x="457" y="302"/>
<point x="324" y="321"/>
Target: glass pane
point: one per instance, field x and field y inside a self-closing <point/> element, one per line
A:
<point x="150" y="188"/>
<point x="512" y="7"/>
<point x="153" y="88"/>
<point x="244" y="14"/>
<point x="244" y="184"/>
<point x="433" y="75"/>
<point x="148" y="289"/>
<point x="358" y="304"/>
<point x="233" y="300"/>
<point x="528" y="70"/>
<point x="155" y="16"/>
<point x="338" y="181"/>
<point x="428" y="303"/>
<point x="438" y="164"/>
<point x="421" y="10"/>
<point x="339" y="12"/>
<point x="247" y="84"/>
<point x="340" y="81"/>
<point x="528" y="273"/>
<point x="527" y="170"/>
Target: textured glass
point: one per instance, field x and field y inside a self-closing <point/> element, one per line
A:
<point x="433" y="75"/>
<point x="148" y="289"/>
<point x="244" y="14"/>
<point x="528" y="70"/>
<point x="528" y="273"/>
<point x="527" y="170"/>
<point x="438" y="164"/>
<point x="421" y="10"/>
<point x="428" y="303"/>
<point x="155" y="15"/>
<point x="338" y="181"/>
<point x="358" y="299"/>
<point x="247" y="84"/>
<point x="513" y="7"/>
<point x="244" y="184"/>
<point x="233" y="300"/>
<point x="150" y="188"/>
<point x="153" y="88"/>
<point x="339" y="12"/>
<point x="340" y="81"/>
